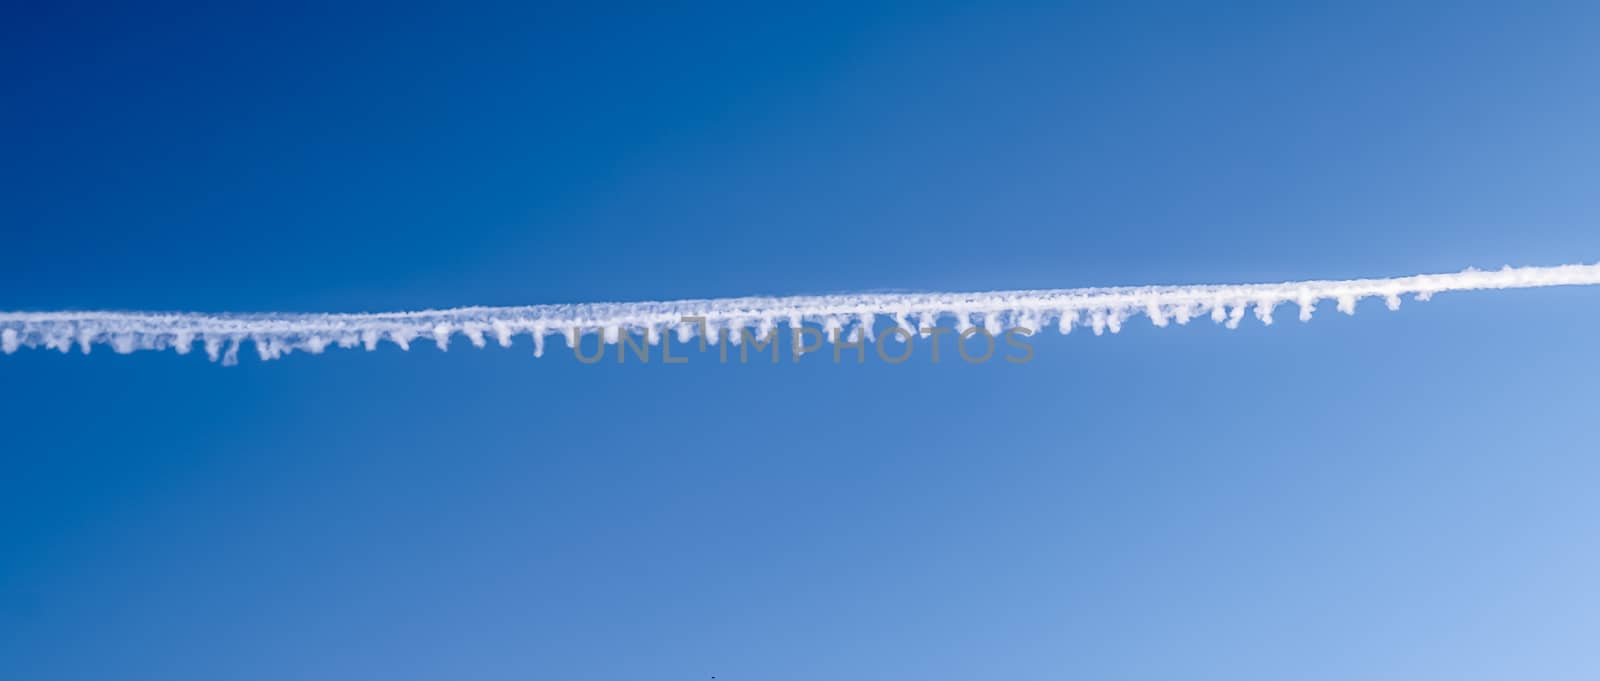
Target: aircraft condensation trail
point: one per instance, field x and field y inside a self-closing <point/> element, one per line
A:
<point x="1099" y="309"/>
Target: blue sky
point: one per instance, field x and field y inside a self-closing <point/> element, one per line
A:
<point x="1384" y="496"/>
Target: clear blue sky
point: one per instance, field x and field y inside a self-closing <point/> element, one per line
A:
<point x="1384" y="496"/>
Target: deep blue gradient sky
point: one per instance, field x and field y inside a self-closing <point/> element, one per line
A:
<point x="1385" y="496"/>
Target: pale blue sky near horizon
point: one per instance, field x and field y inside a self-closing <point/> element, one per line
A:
<point x="1383" y="496"/>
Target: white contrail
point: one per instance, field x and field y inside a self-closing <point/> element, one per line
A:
<point x="1097" y="308"/>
